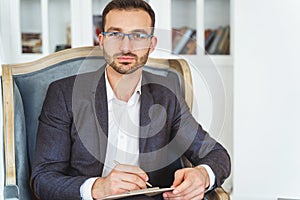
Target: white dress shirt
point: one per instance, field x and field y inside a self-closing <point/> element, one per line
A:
<point x="123" y="130"/>
<point x="123" y="136"/>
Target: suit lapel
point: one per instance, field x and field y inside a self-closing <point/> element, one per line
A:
<point x="145" y="122"/>
<point x="99" y="102"/>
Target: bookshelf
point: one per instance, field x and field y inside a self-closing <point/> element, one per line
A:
<point x="217" y="24"/>
<point x="97" y="8"/>
<point x="55" y="19"/>
<point x="59" y="16"/>
<point x="197" y="15"/>
<point x="31" y="26"/>
<point x="39" y="22"/>
<point x="210" y="21"/>
<point x="184" y="26"/>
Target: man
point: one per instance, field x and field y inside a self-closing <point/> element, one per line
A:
<point x="90" y="123"/>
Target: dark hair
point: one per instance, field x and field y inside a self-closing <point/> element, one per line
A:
<point x="127" y="5"/>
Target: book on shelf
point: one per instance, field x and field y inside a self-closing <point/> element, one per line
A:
<point x="217" y="41"/>
<point x="207" y="32"/>
<point x="68" y="35"/>
<point x="183" y="41"/>
<point x="31" y="43"/>
<point x="97" y="27"/>
<point x="227" y="47"/>
<point x="212" y="49"/>
<point x="191" y="46"/>
<point x="60" y="47"/>
<point x="209" y="36"/>
<point x="177" y="34"/>
<point x="224" y="41"/>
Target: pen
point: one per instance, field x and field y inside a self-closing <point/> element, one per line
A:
<point x="147" y="183"/>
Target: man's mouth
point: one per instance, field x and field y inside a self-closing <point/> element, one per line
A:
<point x="125" y="59"/>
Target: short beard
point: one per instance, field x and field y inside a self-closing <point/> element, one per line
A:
<point x="140" y="62"/>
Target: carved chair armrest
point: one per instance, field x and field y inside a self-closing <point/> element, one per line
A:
<point x="217" y="194"/>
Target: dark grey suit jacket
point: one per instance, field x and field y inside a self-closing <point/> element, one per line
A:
<point x="73" y="128"/>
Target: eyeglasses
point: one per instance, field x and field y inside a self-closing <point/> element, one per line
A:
<point x="136" y="37"/>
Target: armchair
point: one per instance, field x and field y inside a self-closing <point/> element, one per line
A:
<point x="24" y="88"/>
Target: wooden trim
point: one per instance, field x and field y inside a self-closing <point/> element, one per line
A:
<point x="8" y="125"/>
<point x="54" y="58"/>
<point x="187" y="78"/>
<point x="217" y="194"/>
<point x="222" y="194"/>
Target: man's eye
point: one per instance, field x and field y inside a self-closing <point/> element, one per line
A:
<point x="139" y="35"/>
<point x="115" y="34"/>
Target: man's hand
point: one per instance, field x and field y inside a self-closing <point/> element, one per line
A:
<point x="189" y="183"/>
<point x="121" y="179"/>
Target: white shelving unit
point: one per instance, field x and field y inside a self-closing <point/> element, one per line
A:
<point x="197" y="14"/>
<point x="51" y="18"/>
<point x="59" y="18"/>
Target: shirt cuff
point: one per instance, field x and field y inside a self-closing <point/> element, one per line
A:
<point x="211" y="176"/>
<point x="86" y="189"/>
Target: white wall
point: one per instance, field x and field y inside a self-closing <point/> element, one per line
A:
<point x="266" y="99"/>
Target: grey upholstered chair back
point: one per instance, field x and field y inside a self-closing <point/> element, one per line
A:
<point x="29" y="93"/>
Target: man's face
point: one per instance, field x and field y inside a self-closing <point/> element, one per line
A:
<point x="126" y="55"/>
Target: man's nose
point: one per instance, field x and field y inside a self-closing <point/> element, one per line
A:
<point x="126" y="44"/>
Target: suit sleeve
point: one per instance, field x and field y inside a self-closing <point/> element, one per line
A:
<point x="50" y="172"/>
<point x="203" y="149"/>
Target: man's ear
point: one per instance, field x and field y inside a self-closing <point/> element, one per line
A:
<point x="153" y="43"/>
<point x="100" y="40"/>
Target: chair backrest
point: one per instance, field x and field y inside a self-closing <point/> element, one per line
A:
<point x="24" y="88"/>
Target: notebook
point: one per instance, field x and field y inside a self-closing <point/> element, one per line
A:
<point x="149" y="192"/>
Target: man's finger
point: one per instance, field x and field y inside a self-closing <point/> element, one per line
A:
<point x="178" y="177"/>
<point x="133" y="179"/>
<point x="132" y="170"/>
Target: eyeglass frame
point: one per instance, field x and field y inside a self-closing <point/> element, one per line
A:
<point x="129" y="35"/>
